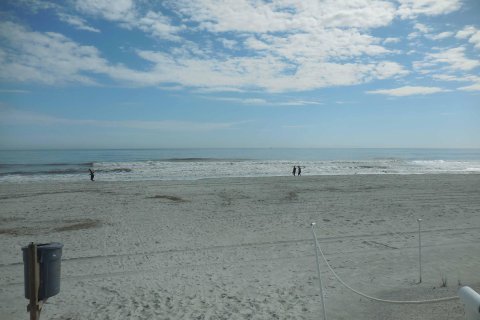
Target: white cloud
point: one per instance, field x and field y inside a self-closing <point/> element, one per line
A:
<point x="449" y="77"/>
<point x="77" y="22"/>
<point x="441" y="35"/>
<point x="451" y="59"/>
<point x="260" y="101"/>
<point x="388" y="69"/>
<point x="408" y="91"/>
<point x="52" y="58"/>
<point x="455" y="58"/>
<point x="285" y="16"/>
<point x="426" y="31"/>
<point x="473" y="87"/>
<point x="391" y="40"/>
<point x="248" y="101"/>
<point x="229" y="44"/>
<point x="299" y="103"/>
<point x="472" y="34"/>
<point x="445" y="77"/>
<point x="474" y="80"/>
<point x="256" y="44"/>
<point x="277" y="46"/>
<point x="14" y="91"/>
<point x="128" y="16"/>
<point x="119" y="10"/>
<point x="466" y="32"/>
<point x="16" y="117"/>
<point x="35" y="6"/>
<point x="292" y="45"/>
<point x="157" y="25"/>
<point x="475" y="40"/>
<point x="218" y="89"/>
<point x="412" y="8"/>
<point x="413" y="35"/>
<point x="320" y="45"/>
<point x="47" y="58"/>
<point x="422" y="27"/>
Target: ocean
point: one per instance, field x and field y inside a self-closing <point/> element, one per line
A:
<point x="191" y="164"/>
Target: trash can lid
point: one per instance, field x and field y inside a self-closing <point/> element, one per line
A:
<point x="47" y="246"/>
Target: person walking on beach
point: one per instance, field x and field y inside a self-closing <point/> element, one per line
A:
<point x="92" y="174"/>
<point x="299" y="171"/>
<point x="294" y="170"/>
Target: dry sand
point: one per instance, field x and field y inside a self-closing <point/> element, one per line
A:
<point x="242" y="248"/>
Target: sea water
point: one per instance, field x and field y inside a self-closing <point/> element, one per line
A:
<point x="191" y="164"/>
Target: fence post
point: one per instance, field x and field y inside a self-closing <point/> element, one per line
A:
<point x="318" y="271"/>
<point x="420" y="249"/>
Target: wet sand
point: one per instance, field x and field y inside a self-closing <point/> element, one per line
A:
<point x="242" y="248"/>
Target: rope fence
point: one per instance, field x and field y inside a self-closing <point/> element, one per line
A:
<point x="319" y="249"/>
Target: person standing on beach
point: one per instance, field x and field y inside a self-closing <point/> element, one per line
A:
<point x="92" y="174"/>
<point x="294" y="170"/>
<point x="299" y="171"/>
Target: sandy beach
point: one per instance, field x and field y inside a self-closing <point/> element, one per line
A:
<point x="242" y="248"/>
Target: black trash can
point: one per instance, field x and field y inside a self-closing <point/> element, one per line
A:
<point x="49" y="257"/>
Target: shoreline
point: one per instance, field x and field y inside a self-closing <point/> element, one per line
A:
<point x="471" y="173"/>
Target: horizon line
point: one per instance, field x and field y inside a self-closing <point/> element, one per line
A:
<point x="226" y="148"/>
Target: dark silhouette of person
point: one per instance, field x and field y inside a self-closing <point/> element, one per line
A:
<point x="92" y="174"/>
<point x="299" y="171"/>
<point x="294" y="170"/>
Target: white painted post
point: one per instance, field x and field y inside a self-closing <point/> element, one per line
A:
<point x="318" y="271"/>
<point x="471" y="302"/>
<point x="420" y="250"/>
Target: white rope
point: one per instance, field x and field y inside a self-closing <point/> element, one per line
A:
<point x="373" y="298"/>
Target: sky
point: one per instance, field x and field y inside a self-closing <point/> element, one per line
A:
<point x="239" y="73"/>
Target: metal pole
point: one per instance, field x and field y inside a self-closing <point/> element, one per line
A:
<point x="318" y="271"/>
<point x="420" y="249"/>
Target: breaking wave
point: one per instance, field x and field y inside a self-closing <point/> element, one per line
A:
<point x="200" y="168"/>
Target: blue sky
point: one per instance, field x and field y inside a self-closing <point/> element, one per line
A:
<point x="204" y="73"/>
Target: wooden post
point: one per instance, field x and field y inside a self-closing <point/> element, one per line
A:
<point x="34" y="282"/>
